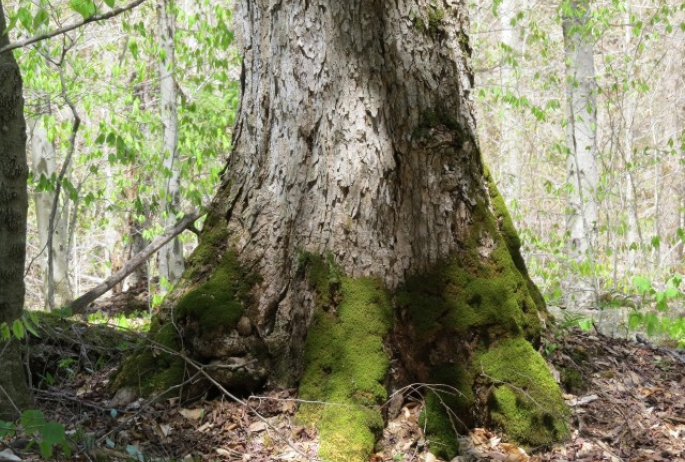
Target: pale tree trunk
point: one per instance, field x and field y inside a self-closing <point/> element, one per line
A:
<point x="633" y="235"/>
<point x="171" y="262"/>
<point x="113" y="238"/>
<point x="581" y="162"/>
<point x="55" y="260"/>
<point x="356" y="228"/>
<point x="138" y="280"/>
<point x="510" y="144"/>
<point x="14" y="390"/>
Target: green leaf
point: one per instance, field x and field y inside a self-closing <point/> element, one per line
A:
<point x="41" y="18"/>
<point x="6" y="428"/>
<point x="52" y="433"/>
<point x="110" y="3"/>
<point x="25" y="18"/>
<point x="31" y="420"/>
<point x="30" y="327"/>
<point x="45" y="449"/>
<point x="585" y="324"/>
<point x="85" y="8"/>
<point x="18" y="329"/>
<point x="5" y="331"/>
<point x="642" y="284"/>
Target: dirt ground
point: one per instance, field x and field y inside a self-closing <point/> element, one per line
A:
<point x="627" y="401"/>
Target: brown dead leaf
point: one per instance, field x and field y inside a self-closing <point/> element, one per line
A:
<point x="192" y="414"/>
<point x="256" y="427"/>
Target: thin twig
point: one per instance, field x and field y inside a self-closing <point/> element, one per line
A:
<point x="70" y="27"/>
<point x="201" y="370"/>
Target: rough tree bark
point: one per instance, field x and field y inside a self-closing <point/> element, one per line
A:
<point x="356" y="243"/>
<point x="14" y="390"/>
<point x="581" y="161"/>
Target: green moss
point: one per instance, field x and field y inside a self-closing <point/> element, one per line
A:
<point x="572" y="380"/>
<point x="432" y="25"/>
<point x="471" y="308"/>
<point x="213" y="241"/>
<point x="346" y="363"/>
<point x="469" y="293"/>
<point x="440" y="429"/>
<point x="511" y="237"/>
<point x="151" y="369"/>
<point x="524" y="400"/>
<point x="323" y="276"/>
<point x="447" y="409"/>
<point x="217" y="304"/>
<point x="220" y="301"/>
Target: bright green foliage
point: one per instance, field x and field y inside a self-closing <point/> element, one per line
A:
<point x="525" y="400"/>
<point x="116" y="176"/>
<point x="19" y="327"/>
<point x="46" y="434"/>
<point x="346" y="363"/>
<point x="660" y="323"/>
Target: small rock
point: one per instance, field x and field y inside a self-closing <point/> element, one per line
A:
<point x="123" y="397"/>
<point x="244" y="327"/>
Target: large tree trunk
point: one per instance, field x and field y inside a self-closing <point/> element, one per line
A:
<point x="356" y="228"/>
<point x="14" y="391"/>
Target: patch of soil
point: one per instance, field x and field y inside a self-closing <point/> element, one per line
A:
<point x="627" y="401"/>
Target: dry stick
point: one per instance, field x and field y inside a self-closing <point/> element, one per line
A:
<point x="79" y="305"/>
<point x="52" y="396"/>
<point x="70" y="27"/>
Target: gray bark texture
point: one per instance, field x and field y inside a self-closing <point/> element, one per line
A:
<point x="581" y="162"/>
<point x="356" y="228"/>
<point x="14" y="391"/>
<point x="355" y="137"/>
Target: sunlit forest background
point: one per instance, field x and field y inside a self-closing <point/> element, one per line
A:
<point x="115" y="191"/>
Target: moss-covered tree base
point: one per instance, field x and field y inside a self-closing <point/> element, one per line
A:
<point x="467" y="329"/>
<point x="470" y="324"/>
<point x="346" y="362"/>
<point x="205" y="319"/>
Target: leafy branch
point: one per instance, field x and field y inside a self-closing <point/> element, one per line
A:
<point x="71" y="27"/>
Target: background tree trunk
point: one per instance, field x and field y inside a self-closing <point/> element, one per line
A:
<point x="356" y="228"/>
<point x="14" y="391"/>
<point x="510" y="131"/>
<point x="171" y="255"/>
<point x="581" y="161"/>
<point x="56" y="273"/>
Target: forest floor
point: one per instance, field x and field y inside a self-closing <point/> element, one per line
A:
<point x="627" y="401"/>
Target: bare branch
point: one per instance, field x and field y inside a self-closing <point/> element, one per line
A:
<point x="70" y="27"/>
<point x="79" y="305"/>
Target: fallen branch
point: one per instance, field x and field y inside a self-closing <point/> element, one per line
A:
<point x="70" y="27"/>
<point x="79" y="305"/>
